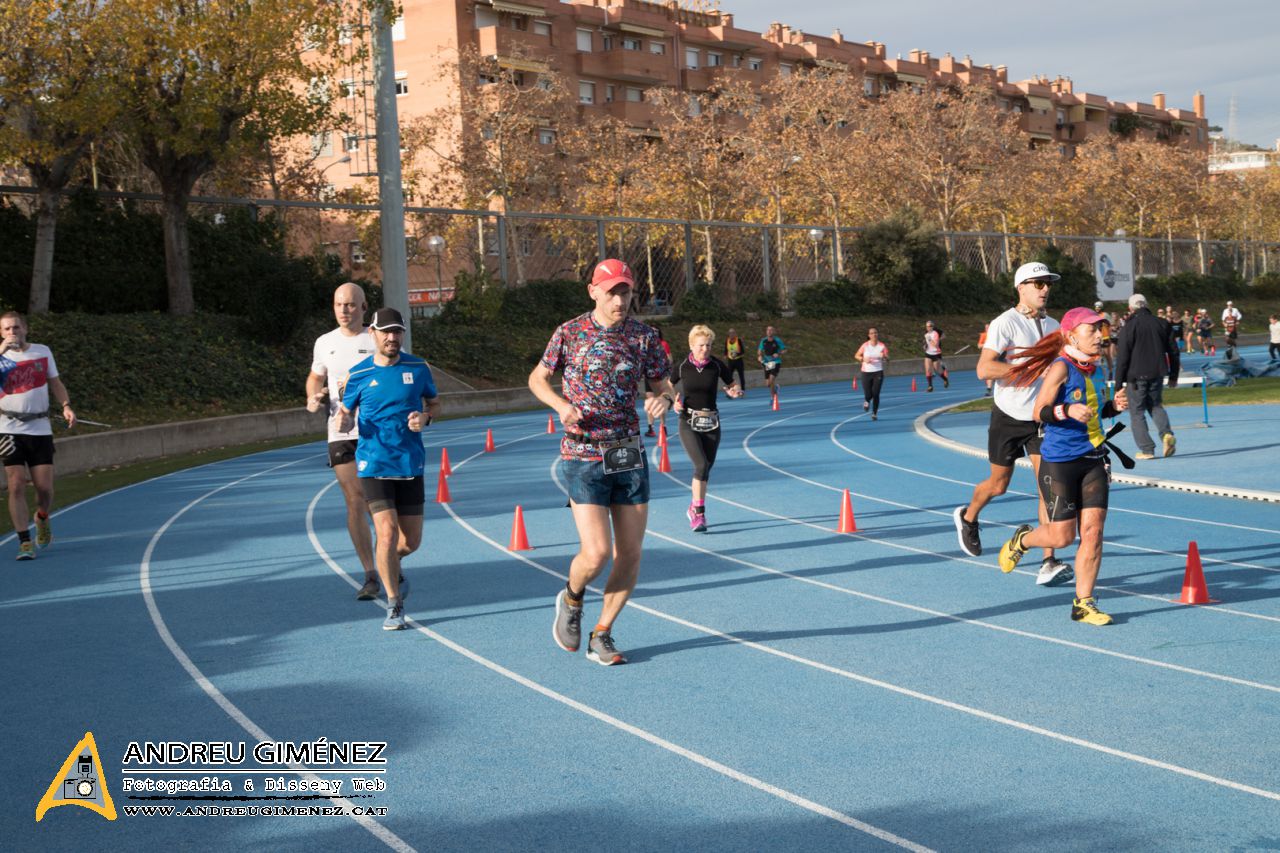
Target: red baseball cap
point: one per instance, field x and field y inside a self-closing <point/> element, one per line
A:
<point x="611" y="272"/>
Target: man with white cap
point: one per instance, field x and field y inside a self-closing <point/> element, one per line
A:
<point x="1143" y="352"/>
<point x="1013" y="431"/>
<point x="1232" y="312"/>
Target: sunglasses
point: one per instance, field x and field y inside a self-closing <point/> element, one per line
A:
<point x="1039" y="283"/>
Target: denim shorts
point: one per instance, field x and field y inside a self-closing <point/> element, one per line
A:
<point x="589" y="484"/>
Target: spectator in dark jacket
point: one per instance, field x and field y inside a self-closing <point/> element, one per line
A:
<point x="1143" y="353"/>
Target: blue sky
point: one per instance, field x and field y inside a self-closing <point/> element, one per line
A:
<point x="1126" y="50"/>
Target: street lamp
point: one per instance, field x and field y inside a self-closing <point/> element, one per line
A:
<point x="815" y="235"/>
<point x="435" y="245"/>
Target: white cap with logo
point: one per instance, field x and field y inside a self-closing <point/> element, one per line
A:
<point x="1033" y="270"/>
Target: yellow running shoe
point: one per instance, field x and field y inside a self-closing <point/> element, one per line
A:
<point x="26" y="551"/>
<point x="1011" y="552"/>
<point x="44" y="531"/>
<point x="1086" y="610"/>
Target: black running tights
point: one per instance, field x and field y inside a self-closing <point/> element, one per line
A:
<point x="701" y="448"/>
<point x="871" y="383"/>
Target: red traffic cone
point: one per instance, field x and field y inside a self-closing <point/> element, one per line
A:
<point x="551" y="425"/>
<point x="488" y="441"/>
<point x="848" y="524"/>
<point x="445" y="468"/>
<point x="442" y="490"/>
<point x="664" y="462"/>
<point x="1194" y="590"/>
<point x="662" y="435"/>
<point x="775" y="402"/>
<point x="913" y="383"/>
<point x="855" y="383"/>
<point x="519" y="540"/>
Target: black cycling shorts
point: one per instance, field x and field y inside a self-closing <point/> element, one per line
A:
<point x="1068" y="487"/>
<point x="406" y="497"/>
<point x="31" y="450"/>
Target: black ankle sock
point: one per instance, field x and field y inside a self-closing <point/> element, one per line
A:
<point x="24" y="535"/>
<point x="574" y="599"/>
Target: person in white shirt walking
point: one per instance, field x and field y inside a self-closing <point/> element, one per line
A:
<point x="1231" y="312"/>
<point x="1013" y="431"/>
<point x="335" y="353"/>
<point x="1273" y="324"/>
<point x="28" y="374"/>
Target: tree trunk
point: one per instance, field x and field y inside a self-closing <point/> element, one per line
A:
<point x="42" y="262"/>
<point x="177" y="253"/>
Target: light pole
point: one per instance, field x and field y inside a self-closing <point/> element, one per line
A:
<point x="815" y="235"/>
<point x="435" y="245"/>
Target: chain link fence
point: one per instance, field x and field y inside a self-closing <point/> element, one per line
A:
<point x="743" y="262"/>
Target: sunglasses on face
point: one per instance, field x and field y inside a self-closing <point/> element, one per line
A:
<point x="1038" y="283"/>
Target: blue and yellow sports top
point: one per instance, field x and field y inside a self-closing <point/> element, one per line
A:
<point x="1070" y="439"/>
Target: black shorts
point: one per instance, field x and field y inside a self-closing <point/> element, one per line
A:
<point x="30" y="450"/>
<point x="1068" y="487"/>
<point x="342" y="452"/>
<point x="1009" y="439"/>
<point x="406" y="497"/>
<point x="772" y="371"/>
<point x="933" y="357"/>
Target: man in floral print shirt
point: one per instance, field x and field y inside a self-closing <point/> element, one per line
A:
<point x="604" y="355"/>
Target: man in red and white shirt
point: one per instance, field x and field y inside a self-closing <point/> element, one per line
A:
<point x="28" y="374"/>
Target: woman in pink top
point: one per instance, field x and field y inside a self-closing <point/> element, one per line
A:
<point x="872" y="355"/>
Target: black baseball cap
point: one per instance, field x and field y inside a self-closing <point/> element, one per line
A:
<point x="385" y="319"/>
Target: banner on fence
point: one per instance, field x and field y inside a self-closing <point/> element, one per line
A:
<point x="1113" y="267"/>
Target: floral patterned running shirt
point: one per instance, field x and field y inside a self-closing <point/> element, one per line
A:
<point x="602" y="372"/>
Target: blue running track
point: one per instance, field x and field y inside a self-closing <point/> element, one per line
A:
<point x="789" y="688"/>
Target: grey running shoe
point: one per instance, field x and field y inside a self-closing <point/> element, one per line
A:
<point x="1054" y="572"/>
<point x="600" y="649"/>
<point x="369" y="591"/>
<point x="967" y="533"/>
<point x="566" y="628"/>
<point x="395" y="618"/>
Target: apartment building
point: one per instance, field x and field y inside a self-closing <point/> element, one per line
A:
<point x="612" y="51"/>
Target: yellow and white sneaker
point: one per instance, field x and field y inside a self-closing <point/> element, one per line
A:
<point x="1011" y="552"/>
<point x="1086" y="610"/>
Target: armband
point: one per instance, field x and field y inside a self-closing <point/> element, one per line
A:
<point x="1053" y="414"/>
<point x="1109" y="409"/>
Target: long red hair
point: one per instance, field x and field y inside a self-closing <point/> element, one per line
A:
<point x="1038" y="358"/>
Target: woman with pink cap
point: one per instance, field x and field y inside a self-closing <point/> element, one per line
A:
<point x="1074" y="478"/>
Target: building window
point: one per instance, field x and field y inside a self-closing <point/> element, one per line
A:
<point x="485" y="79"/>
<point x="322" y="144"/>
<point x="402" y="83"/>
<point x="691" y="58"/>
<point x="517" y="77"/>
<point x="635" y="94"/>
<point x="868" y="86"/>
<point x="542" y="28"/>
<point x="714" y="60"/>
<point x="784" y="70"/>
<point x="586" y="92"/>
<point x="608" y="93"/>
<point x="629" y="43"/>
<point x="695" y="106"/>
<point x="328" y="192"/>
<point x="606" y="43"/>
<point x="755" y="64"/>
<point x="350" y="143"/>
<point x="1004" y="104"/>
<point x="487" y="133"/>
<point x="658" y="47"/>
<point x="1017" y="108"/>
<point x="1062" y="149"/>
<point x="519" y="22"/>
<point x="544" y="83"/>
<point x="584" y="41"/>
<point x="397" y="30"/>
<point x="485" y="17"/>
<point x="526" y="244"/>
<point x="357" y="253"/>
<point x="1062" y="117"/>
<point x="546" y="136"/>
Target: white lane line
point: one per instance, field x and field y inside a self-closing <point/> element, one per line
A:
<point x="376" y="829"/>
<point x="884" y="685"/>
<point x="608" y="719"/>
<point x="1112" y="508"/>
<point x="1229" y="611"/>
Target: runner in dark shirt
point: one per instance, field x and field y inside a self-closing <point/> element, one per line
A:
<point x="699" y="377"/>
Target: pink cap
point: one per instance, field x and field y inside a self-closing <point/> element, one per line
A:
<point x="1079" y="317"/>
<point x="612" y="272"/>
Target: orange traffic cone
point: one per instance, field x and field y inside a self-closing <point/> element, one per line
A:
<point x="848" y="524"/>
<point x="1194" y="590"/>
<point x="662" y="435"/>
<point x="519" y="540"/>
<point x="551" y="425"/>
<point x="442" y="490"/>
<point x="855" y="383"/>
<point x="488" y="441"/>
<point x="664" y="462"/>
<point x="775" y="403"/>
<point x="445" y="467"/>
<point x="913" y="383"/>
